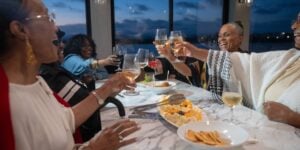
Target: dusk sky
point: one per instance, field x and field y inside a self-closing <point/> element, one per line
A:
<point x="191" y="16"/>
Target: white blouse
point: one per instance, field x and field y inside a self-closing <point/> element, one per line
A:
<point x="39" y="121"/>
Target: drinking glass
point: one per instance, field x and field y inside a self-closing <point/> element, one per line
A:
<point x="119" y="51"/>
<point x="161" y="37"/>
<point x="152" y="64"/>
<point x="131" y="70"/>
<point x="232" y="95"/>
<point x="175" y="37"/>
<point x="141" y="58"/>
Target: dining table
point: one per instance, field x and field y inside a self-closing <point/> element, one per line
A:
<point x="157" y="134"/>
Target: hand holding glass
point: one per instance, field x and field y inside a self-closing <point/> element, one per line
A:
<point x="175" y="37"/>
<point x="119" y="52"/>
<point x="161" y="37"/>
<point x="131" y="70"/>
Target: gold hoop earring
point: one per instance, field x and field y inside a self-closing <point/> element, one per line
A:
<point x="31" y="59"/>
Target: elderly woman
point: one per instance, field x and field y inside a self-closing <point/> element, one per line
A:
<point x="270" y="80"/>
<point x="31" y="117"/>
<point x="229" y="39"/>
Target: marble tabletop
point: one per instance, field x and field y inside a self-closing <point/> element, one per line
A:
<point x="157" y="134"/>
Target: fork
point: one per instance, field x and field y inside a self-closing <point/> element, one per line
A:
<point x="173" y="99"/>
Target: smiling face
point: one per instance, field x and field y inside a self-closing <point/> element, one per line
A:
<point x="297" y="37"/>
<point x="296" y="28"/>
<point x="86" y="49"/>
<point x="229" y="38"/>
<point x="41" y="32"/>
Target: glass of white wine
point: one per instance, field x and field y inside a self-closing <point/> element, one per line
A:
<point x="161" y="37"/>
<point x="141" y="58"/>
<point x="131" y="70"/>
<point x="232" y="95"/>
<point x="175" y="37"/>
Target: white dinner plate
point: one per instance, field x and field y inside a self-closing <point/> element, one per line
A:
<point x="157" y="88"/>
<point x="173" y="120"/>
<point x="235" y="134"/>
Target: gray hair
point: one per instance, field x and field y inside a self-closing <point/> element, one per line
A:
<point x="237" y="25"/>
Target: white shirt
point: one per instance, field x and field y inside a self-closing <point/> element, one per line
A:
<point x="39" y="121"/>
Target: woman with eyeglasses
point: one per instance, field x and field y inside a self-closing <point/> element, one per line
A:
<point x="31" y="116"/>
<point x="80" y="53"/>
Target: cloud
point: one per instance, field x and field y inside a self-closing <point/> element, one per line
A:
<point x="144" y="30"/>
<point x="189" y="5"/>
<point x="75" y="0"/>
<point x="213" y="2"/>
<point x="62" y="5"/>
<point x="266" y="11"/>
<point x="138" y="9"/>
<point x="59" y="5"/>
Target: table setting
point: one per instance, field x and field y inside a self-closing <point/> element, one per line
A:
<point x="255" y="131"/>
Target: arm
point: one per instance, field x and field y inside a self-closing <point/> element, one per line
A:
<point x="83" y="110"/>
<point x="181" y="67"/>
<point x="100" y="63"/>
<point x="281" y="113"/>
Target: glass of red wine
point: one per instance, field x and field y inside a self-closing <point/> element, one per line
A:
<point x="119" y="51"/>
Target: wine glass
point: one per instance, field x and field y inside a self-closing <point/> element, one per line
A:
<point x="141" y="58"/>
<point x="119" y="51"/>
<point x="152" y="64"/>
<point x="175" y="37"/>
<point x="232" y="95"/>
<point x="131" y="70"/>
<point x="161" y="37"/>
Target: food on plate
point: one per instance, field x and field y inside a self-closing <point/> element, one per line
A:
<point x="162" y="84"/>
<point x="212" y="138"/>
<point x="181" y="114"/>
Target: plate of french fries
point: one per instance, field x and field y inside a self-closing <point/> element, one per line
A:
<point x="213" y="135"/>
<point x="182" y="113"/>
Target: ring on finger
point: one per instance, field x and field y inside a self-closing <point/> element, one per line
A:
<point x="121" y="137"/>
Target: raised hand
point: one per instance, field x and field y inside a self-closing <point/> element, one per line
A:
<point x="116" y="84"/>
<point x="165" y="50"/>
<point x="112" y="138"/>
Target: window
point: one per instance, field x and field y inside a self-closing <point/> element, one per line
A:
<point x="199" y="20"/>
<point x="70" y="15"/>
<point x="136" y="21"/>
<point x="271" y="26"/>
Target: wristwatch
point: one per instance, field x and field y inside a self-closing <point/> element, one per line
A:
<point x="99" y="99"/>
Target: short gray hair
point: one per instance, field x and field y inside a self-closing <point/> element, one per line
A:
<point x="238" y="26"/>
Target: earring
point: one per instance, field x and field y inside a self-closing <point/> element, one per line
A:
<point x="31" y="59"/>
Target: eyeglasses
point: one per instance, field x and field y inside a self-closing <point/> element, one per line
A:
<point x="50" y="17"/>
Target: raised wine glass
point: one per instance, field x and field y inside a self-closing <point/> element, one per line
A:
<point x="119" y="51"/>
<point x="232" y="95"/>
<point x="131" y="71"/>
<point x="161" y="37"/>
<point x="175" y="37"/>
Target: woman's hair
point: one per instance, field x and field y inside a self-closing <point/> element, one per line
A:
<point x="238" y="26"/>
<point x="75" y="44"/>
<point x="10" y="10"/>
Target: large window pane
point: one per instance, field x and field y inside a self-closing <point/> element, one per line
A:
<point x="70" y="15"/>
<point x="270" y="24"/>
<point x="136" y="21"/>
<point x="199" y="20"/>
